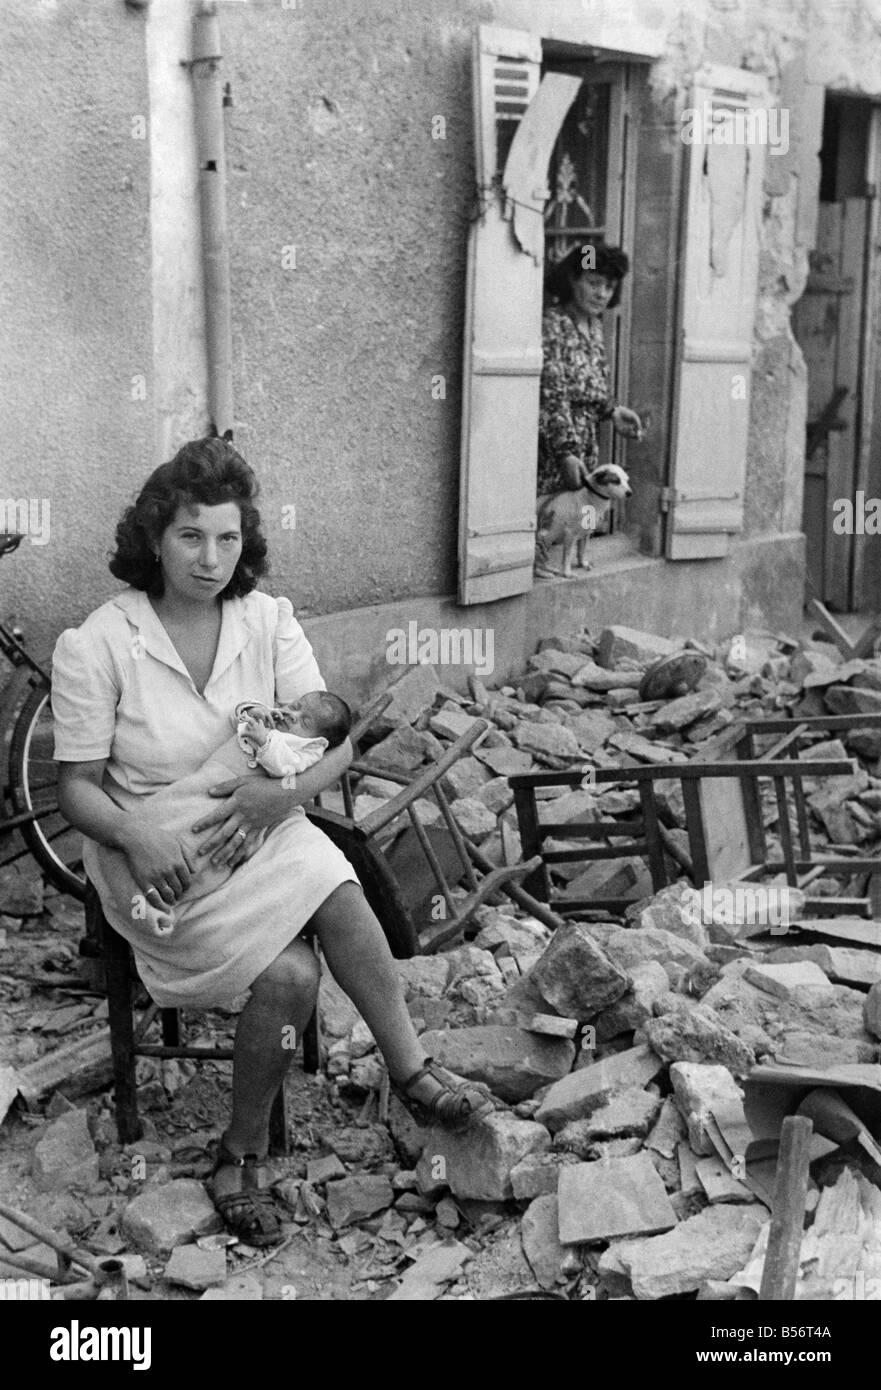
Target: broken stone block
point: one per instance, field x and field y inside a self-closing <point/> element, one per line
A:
<point x="357" y="1197"/>
<point x="473" y="818"/>
<point x="172" y="1214"/>
<point x="538" y="1174"/>
<point x="667" y="1132"/>
<point x="424" y="975"/>
<point x="465" y="778"/>
<point x="625" y="1196"/>
<point x="672" y="910"/>
<point x="240" y="1288"/>
<point x="496" y="795"/>
<point x="514" y="1063"/>
<point x="582" y="1092"/>
<point x="337" y="1012"/>
<point x="679" y="957"/>
<point x="575" y="977"/>
<point x="635" y="746"/>
<point x="504" y="761"/>
<point x="852" y="699"/>
<point x="65" y="1156"/>
<point x="545" y="740"/>
<point x="695" y="1033"/>
<point x="649" y="984"/>
<point x="717" y="1182"/>
<point x="451" y="723"/>
<point x="627" y="1114"/>
<point x="405" y="750"/>
<point x="478" y="1163"/>
<point x="699" y="1089"/>
<point x="21" y="891"/>
<point x="539" y="1232"/>
<point x="839" y="963"/>
<point x="8" y="1090"/>
<point x="872" y="1011"/>
<point x="433" y="1270"/>
<point x="413" y="693"/>
<point x="549" y="1025"/>
<point x="193" y="1268"/>
<point x="801" y="983"/>
<point x="592" y="728"/>
<point x="617" y="644"/>
<point x="679" y="714"/>
<point x="577" y="806"/>
<point x="715" y="1243"/>
<point x="326" y="1169"/>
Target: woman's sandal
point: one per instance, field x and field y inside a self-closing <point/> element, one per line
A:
<point x="251" y="1213"/>
<point x="454" y="1107"/>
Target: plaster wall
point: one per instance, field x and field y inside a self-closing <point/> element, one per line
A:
<point x="348" y="225"/>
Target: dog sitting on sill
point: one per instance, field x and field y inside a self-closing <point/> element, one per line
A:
<point x="569" y="519"/>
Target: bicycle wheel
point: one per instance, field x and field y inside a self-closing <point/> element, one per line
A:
<point x="33" y="786"/>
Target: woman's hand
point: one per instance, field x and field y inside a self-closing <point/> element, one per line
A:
<point x="250" y="807"/>
<point x="161" y="866"/>
<point x="627" y="422"/>
<point x="573" y="472"/>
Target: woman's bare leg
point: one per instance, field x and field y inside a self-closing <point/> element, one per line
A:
<point x="359" y="958"/>
<point x="283" y="997"/>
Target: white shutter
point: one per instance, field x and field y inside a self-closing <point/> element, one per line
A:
<point x="502" y="349"/>
<point x="723" y="211"/>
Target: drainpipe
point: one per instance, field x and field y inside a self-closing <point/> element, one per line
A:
<point x="208" y="110"/>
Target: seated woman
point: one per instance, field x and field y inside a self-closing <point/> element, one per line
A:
<point x="141" y="695"/>
<point x="575" y="395"/>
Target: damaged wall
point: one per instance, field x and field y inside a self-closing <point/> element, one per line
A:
<point x="331" y="163"/>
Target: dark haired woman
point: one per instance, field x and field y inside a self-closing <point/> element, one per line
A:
<point x="141" y="695"/>
<point x="575" y="389"/>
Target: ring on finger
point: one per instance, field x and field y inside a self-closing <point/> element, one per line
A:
<point x="241" y="835"/>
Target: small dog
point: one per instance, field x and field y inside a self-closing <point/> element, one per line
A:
<point x="569" y="518"/>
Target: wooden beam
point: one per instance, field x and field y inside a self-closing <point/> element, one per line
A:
<point x="780" y="1271"/>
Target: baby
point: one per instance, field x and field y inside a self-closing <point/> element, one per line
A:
<point x="279" y="742"/>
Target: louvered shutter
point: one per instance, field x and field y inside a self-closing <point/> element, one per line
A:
<point x="516" y="121"/>
<point x="723" y="211"/>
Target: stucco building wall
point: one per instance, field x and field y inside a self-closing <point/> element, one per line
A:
<point x="331" y="164"/>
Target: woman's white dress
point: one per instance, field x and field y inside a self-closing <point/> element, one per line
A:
<point x="120" y="691"/>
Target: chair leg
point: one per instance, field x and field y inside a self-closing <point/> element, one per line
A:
<point x="311" y="1046"/>
<point x="122" y="1039"/>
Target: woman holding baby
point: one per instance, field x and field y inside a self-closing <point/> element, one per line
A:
<point x="143" y="693"/>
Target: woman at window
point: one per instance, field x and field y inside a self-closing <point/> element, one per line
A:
<point x="575" y="386"/>
<point x="142" y="694"/>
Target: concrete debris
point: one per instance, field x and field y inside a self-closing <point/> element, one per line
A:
<point x="575" y="976"/>
<point x="514" y="1063"/>
<point x="628" y="1113"/>
<point x="65" y="1155"/>
<point x="801" y="983"/>
<point x="478" y="1164"/>
<point x="357" y="1197"/>
<point x="438" y="1266"/>
<point x="169" y="1215"/>
<point x="582" y="1092"/>
<point x="700" y="1088"/>
<point x="196" y="1269"/>
<point x="696" y="1033"/>
<point x="549" y="1259"/>
<point x="712" y="1244"/>
<point x="625" y="1196"/>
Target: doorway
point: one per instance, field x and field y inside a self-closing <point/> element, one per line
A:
<point x="835" y="325"/>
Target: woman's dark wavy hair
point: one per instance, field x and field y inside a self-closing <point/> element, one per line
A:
<point x="208" y="471"/>
<point x="609" y="261"/>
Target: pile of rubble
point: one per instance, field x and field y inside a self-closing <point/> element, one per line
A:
<point x="635" y="1157"/>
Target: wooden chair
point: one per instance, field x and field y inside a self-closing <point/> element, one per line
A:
<point x="723" y="817"/>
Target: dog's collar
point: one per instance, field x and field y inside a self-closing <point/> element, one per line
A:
<point x="596" y="492"/>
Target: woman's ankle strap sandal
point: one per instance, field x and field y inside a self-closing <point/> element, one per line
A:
<point x="454" y="1106"/>
<point x="251" y="1213"/>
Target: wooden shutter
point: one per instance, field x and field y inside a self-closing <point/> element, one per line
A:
<point x="719" y="277"/>
<point x="516" y="120"/>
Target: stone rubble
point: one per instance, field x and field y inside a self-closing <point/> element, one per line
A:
<point x="620" y="1042"/>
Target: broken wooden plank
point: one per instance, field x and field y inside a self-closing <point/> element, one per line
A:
<point x="788" y="1215"/>
<point x="80" y="1067"/>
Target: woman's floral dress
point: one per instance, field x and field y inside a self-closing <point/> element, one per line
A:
<point x="575" y="396"/>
